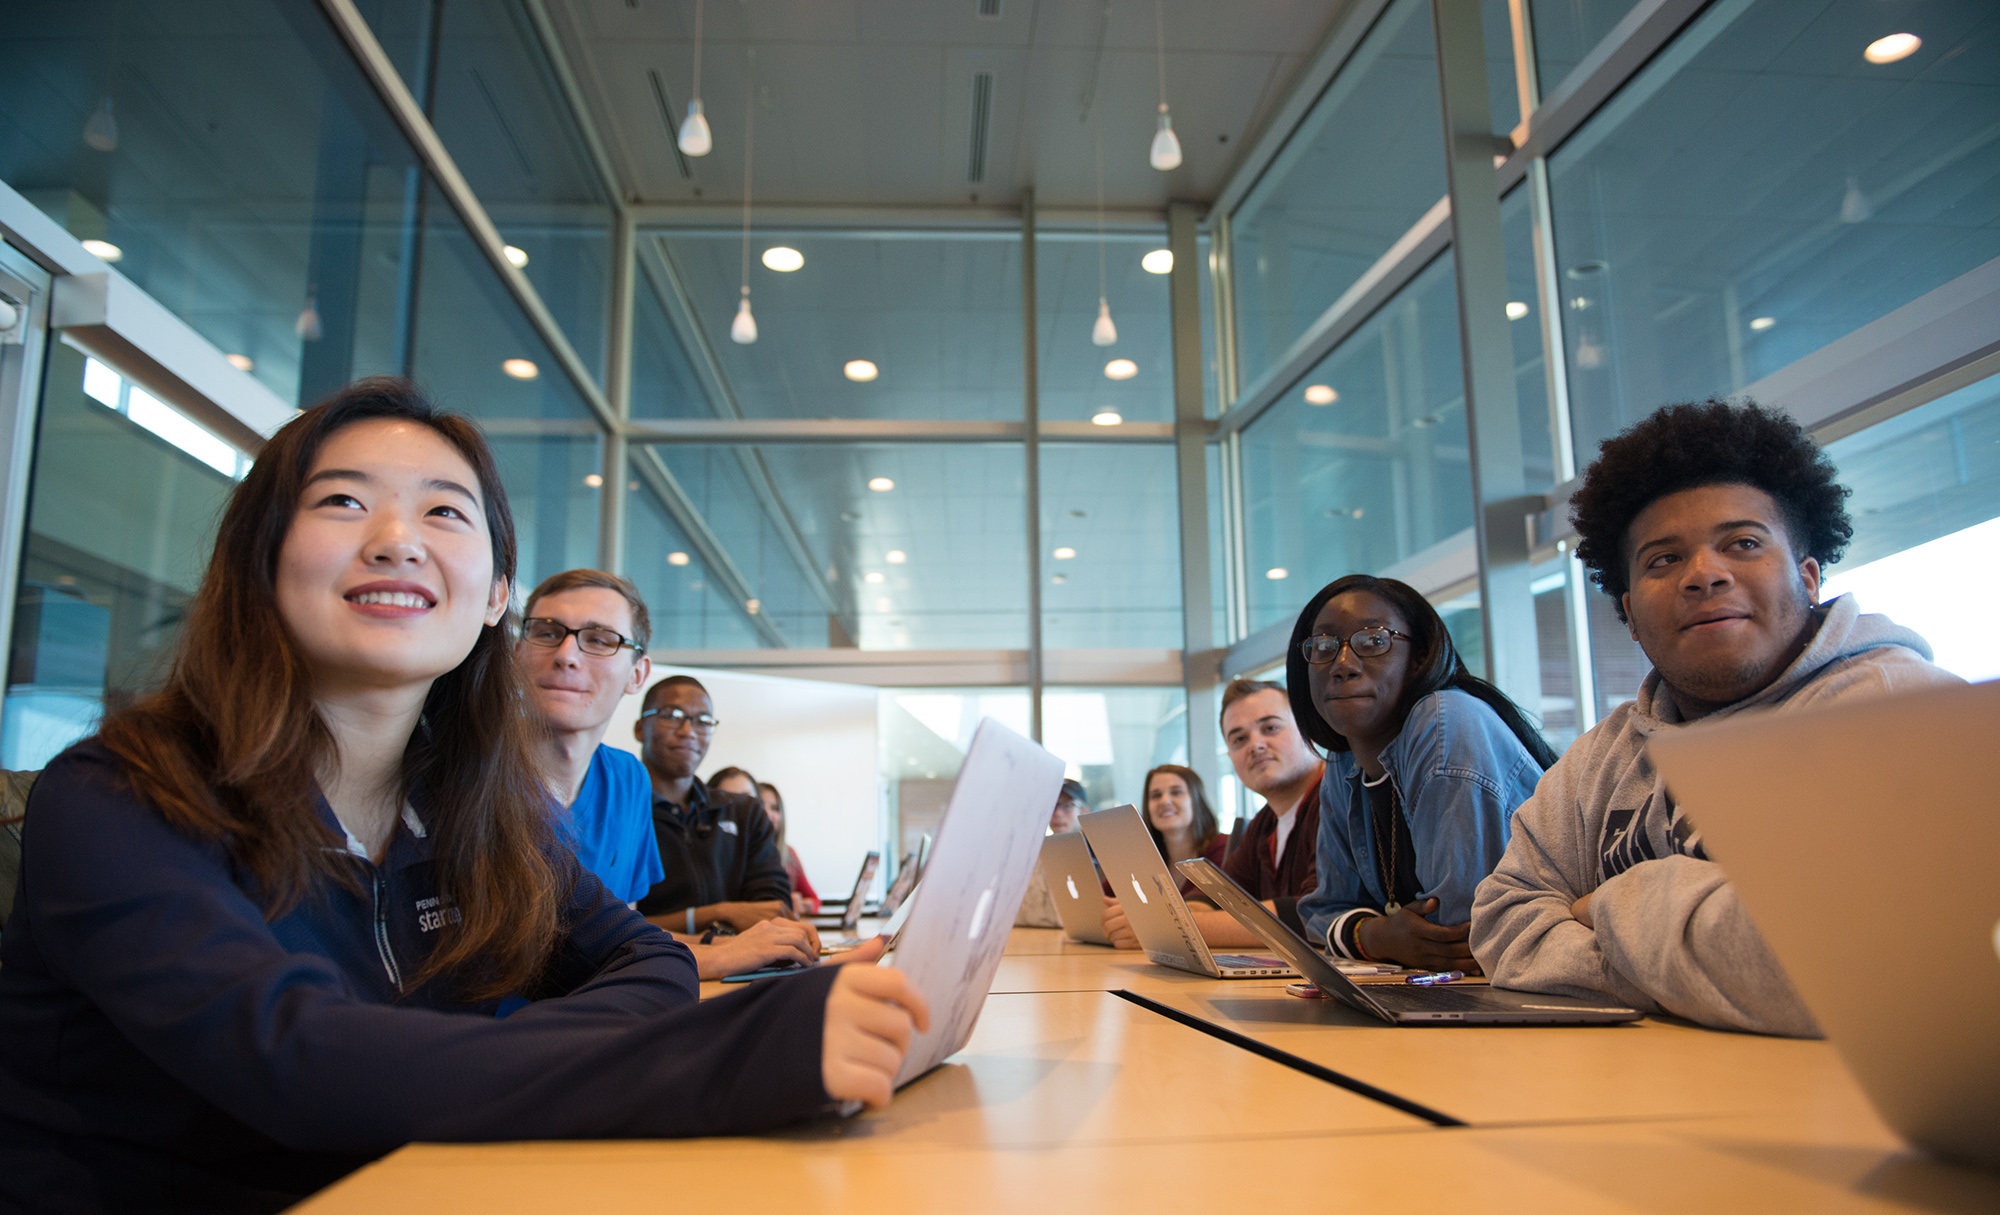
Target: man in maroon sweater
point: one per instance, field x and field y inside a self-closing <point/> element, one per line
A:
<point x="1272" y="857"/>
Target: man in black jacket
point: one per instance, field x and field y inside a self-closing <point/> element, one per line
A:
<point x="719" y="850"/>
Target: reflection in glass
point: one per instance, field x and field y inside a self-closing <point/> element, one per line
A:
<point x="110" y="561"/>
<point x="1074" y="387"/>
<point x="1524" y="312"/>
<point x="1115" y="507"/>
<point x="939" y="316"/>
<point x="689" y="611"/>
<point x="1377" y="476"/>
<point x="1763" y="190"/>
<point x="247" y="177"/>
<point x="1926" y="508"/>
<point x="1566" y="31"/>
<point x="1364" y="166"/>
<point x="664" y="382"/>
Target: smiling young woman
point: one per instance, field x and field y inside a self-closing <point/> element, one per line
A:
<point x="267" y="916"/>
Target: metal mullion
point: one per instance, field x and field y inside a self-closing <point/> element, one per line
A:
<point x="403" y="108"/>
<point x="1031" y="416"/>
<point x="1198" y="673"/>
<point x="618" y="385"/>
<point x="572" y="91"/>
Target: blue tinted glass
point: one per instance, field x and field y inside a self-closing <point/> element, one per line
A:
<point x="1377" y="473"/>
<point x="1111" y="508"/>
<point x="1567" y="30"/>
<point x="1761" y="190"/>
<point x="231" y="161"/>
<point x="689" y="611"/>
<point x="938" y="318"/>
<point x="1361" y="169"/>
<point x="1524" y="314"/>
<point x="1075" y="372"/>
<point x="664" y="382"/>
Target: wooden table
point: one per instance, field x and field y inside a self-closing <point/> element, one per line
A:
<point x="1072" y="1098"/>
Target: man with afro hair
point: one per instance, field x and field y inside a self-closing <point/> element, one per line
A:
<point x="1709" y="525"/>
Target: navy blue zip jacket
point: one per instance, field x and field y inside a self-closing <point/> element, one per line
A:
<point x="165" y="1047"/>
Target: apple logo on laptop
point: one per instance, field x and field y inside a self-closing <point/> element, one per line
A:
<point x="1137" y="889"/>
<point x="1072" y="887"/>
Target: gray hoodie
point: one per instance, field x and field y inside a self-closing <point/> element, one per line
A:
<point x="1670" y="935"/>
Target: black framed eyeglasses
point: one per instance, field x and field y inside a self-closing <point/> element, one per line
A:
<point x="1323" y="649"/>
<point x="592" y="640"/>
<point x="674" y="719"/>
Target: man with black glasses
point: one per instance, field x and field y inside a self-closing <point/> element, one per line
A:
<point x="724" y="870"/>
<point x="583" y="650"/>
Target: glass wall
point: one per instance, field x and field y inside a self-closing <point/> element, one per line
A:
<point x="1926" y="506"/>
<point x="1358" y="172"/>
<point x="1111" y="561"/>
<point x="1130" y="379"/>
<point x="868" y="324"/>
<point x="1363" y="463"/>
<point x="1763" y="190"/>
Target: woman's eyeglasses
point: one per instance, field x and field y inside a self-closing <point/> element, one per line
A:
<point x="592" y="640"/>
<point x="1323" y="649"/>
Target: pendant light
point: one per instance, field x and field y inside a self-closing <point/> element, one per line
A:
<point x="309" y="326"/>
<point x="1854" y="206"/>
<point x="1103" y="333"/>
<point x="100" y="131"/>
<point x="695" y="138"/>
<point x="1166" y="153"/>
<point x="743" y="330"/>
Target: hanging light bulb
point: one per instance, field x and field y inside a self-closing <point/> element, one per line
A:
<point x="694" y="136"/>
<point x="1103" y="333"/>
<point x="1854" y="204"/>
<point x="743" y="330"/>
<point x="100" y="131"/>
<point x="308" y="325"/>
<point x="1166" y="152"/>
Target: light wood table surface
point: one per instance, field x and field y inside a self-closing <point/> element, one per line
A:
<point x="1646" y="1168"/>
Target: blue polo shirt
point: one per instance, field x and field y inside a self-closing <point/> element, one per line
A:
<point x="610" y="825"/>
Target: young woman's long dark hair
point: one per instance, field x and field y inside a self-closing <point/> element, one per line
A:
<point x="1204" y="818"/>
<point x="1434" y="666"/>
<point x="229" y="749"/>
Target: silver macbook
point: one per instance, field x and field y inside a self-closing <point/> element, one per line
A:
<point x="1868" y="831"/>
<point x="1152" y="900"/>
<point x="962" y="909"/>
<point x="1398" y="1003"/>
<point x="849" y="914"/>
<point x="1074" y="886"/>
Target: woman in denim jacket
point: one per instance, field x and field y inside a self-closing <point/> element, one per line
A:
<point x="1425" y="766"/>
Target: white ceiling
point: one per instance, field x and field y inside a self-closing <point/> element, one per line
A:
<point x="869" y="102"/>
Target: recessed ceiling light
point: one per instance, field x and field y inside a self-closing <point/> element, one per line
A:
<point x="884" y="605"/>
<point x="1763" y="322"/>
<point x="881" y="485"/>
<point x="872" y="576"/>
<point x="518" y="257"/>
<point x="103" y="250"/>
<point x="1064" y="554"/>
<point x="241" y="362"/>
<point x="594" y="480"/>
<point x="782" y="259"/>
<point x="1892" y="48"/>
<point x="521" y="369"/>
<point x="1121" y="369"/>
<point x="1107" y="417"/>
<point x="860" y="371"/>
<point x="677" y="558"/>
<point x="753" y="606"/>
<point x="1159" y="261"/>
<point x="1059" y="579"/>
<point x="1321" y="394"/>
<point x="896" y="556"/>
<point x="1516" y="310"/>
<point x="1277" y="573"/>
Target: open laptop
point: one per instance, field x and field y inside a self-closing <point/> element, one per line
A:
<point x="1075" y="887"/>
<point x="1398" y="1003"/>
<point x="963" y="907"/>
<point x="908" y="870"/>
<point x="1152" y="900"/>
<point x="1826" y="821"/>
<point x="851" y="908"/>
